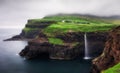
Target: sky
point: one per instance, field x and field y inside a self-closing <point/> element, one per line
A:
<point x="15" y="13"/>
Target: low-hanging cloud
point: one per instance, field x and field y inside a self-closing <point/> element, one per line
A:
<point x="16" y="12"/>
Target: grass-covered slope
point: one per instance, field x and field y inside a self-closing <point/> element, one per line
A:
<point x="61" y="28"/>
<point x="114" y="69"/>
<point x="60" y="24"/>
<point x="62" y="36"/>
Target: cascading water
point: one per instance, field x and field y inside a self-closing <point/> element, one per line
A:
<point x="86" y="47"/>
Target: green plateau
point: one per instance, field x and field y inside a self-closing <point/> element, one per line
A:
<point x="55" y="25"/>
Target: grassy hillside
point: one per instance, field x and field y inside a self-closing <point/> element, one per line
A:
<point x="61" y="28"/>
<point x="61" y="24"/>
<point x="66" y="23"/>
<point x="115" y="69"/>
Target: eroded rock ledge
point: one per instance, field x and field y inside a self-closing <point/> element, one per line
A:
<point x="111" y="53"/>
<point x="42" y="48"/>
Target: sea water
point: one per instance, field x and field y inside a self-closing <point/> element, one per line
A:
<point x="11" y="62"/>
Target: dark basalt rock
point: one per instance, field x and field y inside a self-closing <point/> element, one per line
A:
<point x="40" y="47"/>
<point x="53" y="51"/>
<point x="96" y="40"/>
<point x="79" y="36"/>
<point x="111" y="53"/>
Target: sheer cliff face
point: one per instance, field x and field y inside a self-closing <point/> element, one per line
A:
<point x="41" y="47"/>
<point x="111" y="53"/>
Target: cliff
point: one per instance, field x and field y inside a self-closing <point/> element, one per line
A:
<point x="64" y="23"/>
<point x="111" y="53"/>
<point x="71" y="47"/>
<point x="32" y="29"/>
<point x="62" y="36"/>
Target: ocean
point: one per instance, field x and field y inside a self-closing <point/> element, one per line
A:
<point x="11" y="62"/>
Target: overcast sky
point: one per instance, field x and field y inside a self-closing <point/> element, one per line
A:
<point x="15" y="13"/>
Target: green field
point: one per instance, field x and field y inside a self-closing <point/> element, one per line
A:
<point x="65" y="23"/>
<point x="56" y="41"/>
<point x="61" y="28"/>
<point x="114" y="69"/>
<point x="68" y="23"/>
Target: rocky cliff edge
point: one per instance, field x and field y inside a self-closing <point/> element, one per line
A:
<point x="111" y="53"/>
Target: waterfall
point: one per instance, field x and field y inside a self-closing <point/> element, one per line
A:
<point x="86" y="47"/>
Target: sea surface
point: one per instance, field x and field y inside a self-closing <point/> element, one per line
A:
<point x="11" y="62"/>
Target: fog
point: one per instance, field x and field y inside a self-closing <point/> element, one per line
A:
<point x="15" y="13"/>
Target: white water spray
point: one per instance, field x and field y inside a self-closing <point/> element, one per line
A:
<point x="86" y="48"/>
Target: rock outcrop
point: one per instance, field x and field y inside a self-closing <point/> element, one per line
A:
<point x="31" y="30"/>
<point x="111" y="53"/>
<point x="41" y="47"/>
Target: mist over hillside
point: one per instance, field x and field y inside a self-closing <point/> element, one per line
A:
<point x="15" y="13"/>
<point x="87" y="15"/>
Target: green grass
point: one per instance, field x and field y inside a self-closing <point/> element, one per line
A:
<point x="114" y="69"/>
<point x="116" y="21"/>
<point x="75" y="18"/>
<point x="61" y="28"/>
<point x="75" y="43"/>
<point x="65" y="17"/>
<point x="58" y="18"/>
<point x="55" y="41"/>
<point x="26" y="30"/>
<point x="72" y="23"/>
